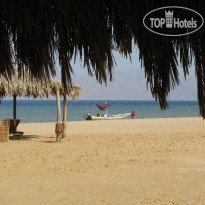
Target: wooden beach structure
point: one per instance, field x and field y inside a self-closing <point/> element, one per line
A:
<point x="24" y="84"/>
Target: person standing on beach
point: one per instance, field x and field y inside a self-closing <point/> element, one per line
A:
<point x="133" y="115"/>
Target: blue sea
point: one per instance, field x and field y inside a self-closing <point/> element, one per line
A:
<point x="45" y="110"/>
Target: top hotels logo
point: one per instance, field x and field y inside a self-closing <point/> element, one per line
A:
<point x="173" y="21"/>
<point x="169" y="19"/>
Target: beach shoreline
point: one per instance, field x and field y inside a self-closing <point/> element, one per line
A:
<point x="34" y="111"/>
<point x="141" y="161"/>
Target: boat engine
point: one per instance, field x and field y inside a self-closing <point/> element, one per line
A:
<point x="87" y="116"/>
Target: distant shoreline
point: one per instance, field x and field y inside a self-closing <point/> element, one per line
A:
<point x="167" y="118"/>
<point x="100" y="100"/>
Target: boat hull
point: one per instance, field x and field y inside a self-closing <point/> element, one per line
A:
<point x="101" y="118"/>
<point x="109" y="117"/>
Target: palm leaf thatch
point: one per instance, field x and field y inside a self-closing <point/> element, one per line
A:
<point x="34" y="32"/>
<point x="26" y="85"/>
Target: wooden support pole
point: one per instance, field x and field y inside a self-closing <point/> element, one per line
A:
<point x="14" y="106"/>
<point x="64" y="108"/>
<point x="58" y="128"/>
<point x="58" y="106"/>
<point x="64" y="114"/>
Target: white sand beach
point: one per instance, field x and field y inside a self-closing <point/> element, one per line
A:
<point x="127" y="162"/>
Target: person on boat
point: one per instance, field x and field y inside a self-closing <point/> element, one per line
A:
<point x="133" y="115"/>
<point x="105" y="102"/>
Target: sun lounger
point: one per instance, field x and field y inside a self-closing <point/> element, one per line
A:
<point x="13" y="124"/>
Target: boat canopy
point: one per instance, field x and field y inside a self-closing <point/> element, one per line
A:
<point x="103" y="107"/>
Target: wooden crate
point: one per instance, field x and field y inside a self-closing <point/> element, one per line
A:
<point x="4" y="122"/>
<point x="4" y="130"/>
<point x="4" y="133"/>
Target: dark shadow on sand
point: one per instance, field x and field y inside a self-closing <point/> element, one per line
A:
<point x="24" y="137"/>
<point x="54" y="141"/>
<point x="29" y="137"/>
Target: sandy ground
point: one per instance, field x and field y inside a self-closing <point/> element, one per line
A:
<point x="146" y="161"/>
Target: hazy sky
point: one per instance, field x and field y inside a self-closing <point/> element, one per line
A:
<point x="128" y="82"/>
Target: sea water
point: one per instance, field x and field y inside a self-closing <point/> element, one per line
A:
<point x="45" y="110"/>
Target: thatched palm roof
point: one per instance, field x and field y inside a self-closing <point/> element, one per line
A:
<point x="91" y="29"/>
<point x="25" y="85"/>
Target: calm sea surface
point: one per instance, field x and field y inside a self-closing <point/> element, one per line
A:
<point x="45" y="110"/>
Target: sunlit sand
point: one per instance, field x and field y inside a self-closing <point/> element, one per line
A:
<point x="142" y="161"/>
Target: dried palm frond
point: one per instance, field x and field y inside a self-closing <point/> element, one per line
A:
<point x="28" y="86"/>
<point x="32" y="32"/>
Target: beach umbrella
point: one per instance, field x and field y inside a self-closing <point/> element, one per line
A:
<point x="24" y="84"/>
<point x="92" y="29"/>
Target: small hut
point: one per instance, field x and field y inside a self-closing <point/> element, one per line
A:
<point x="23" y="84"/>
